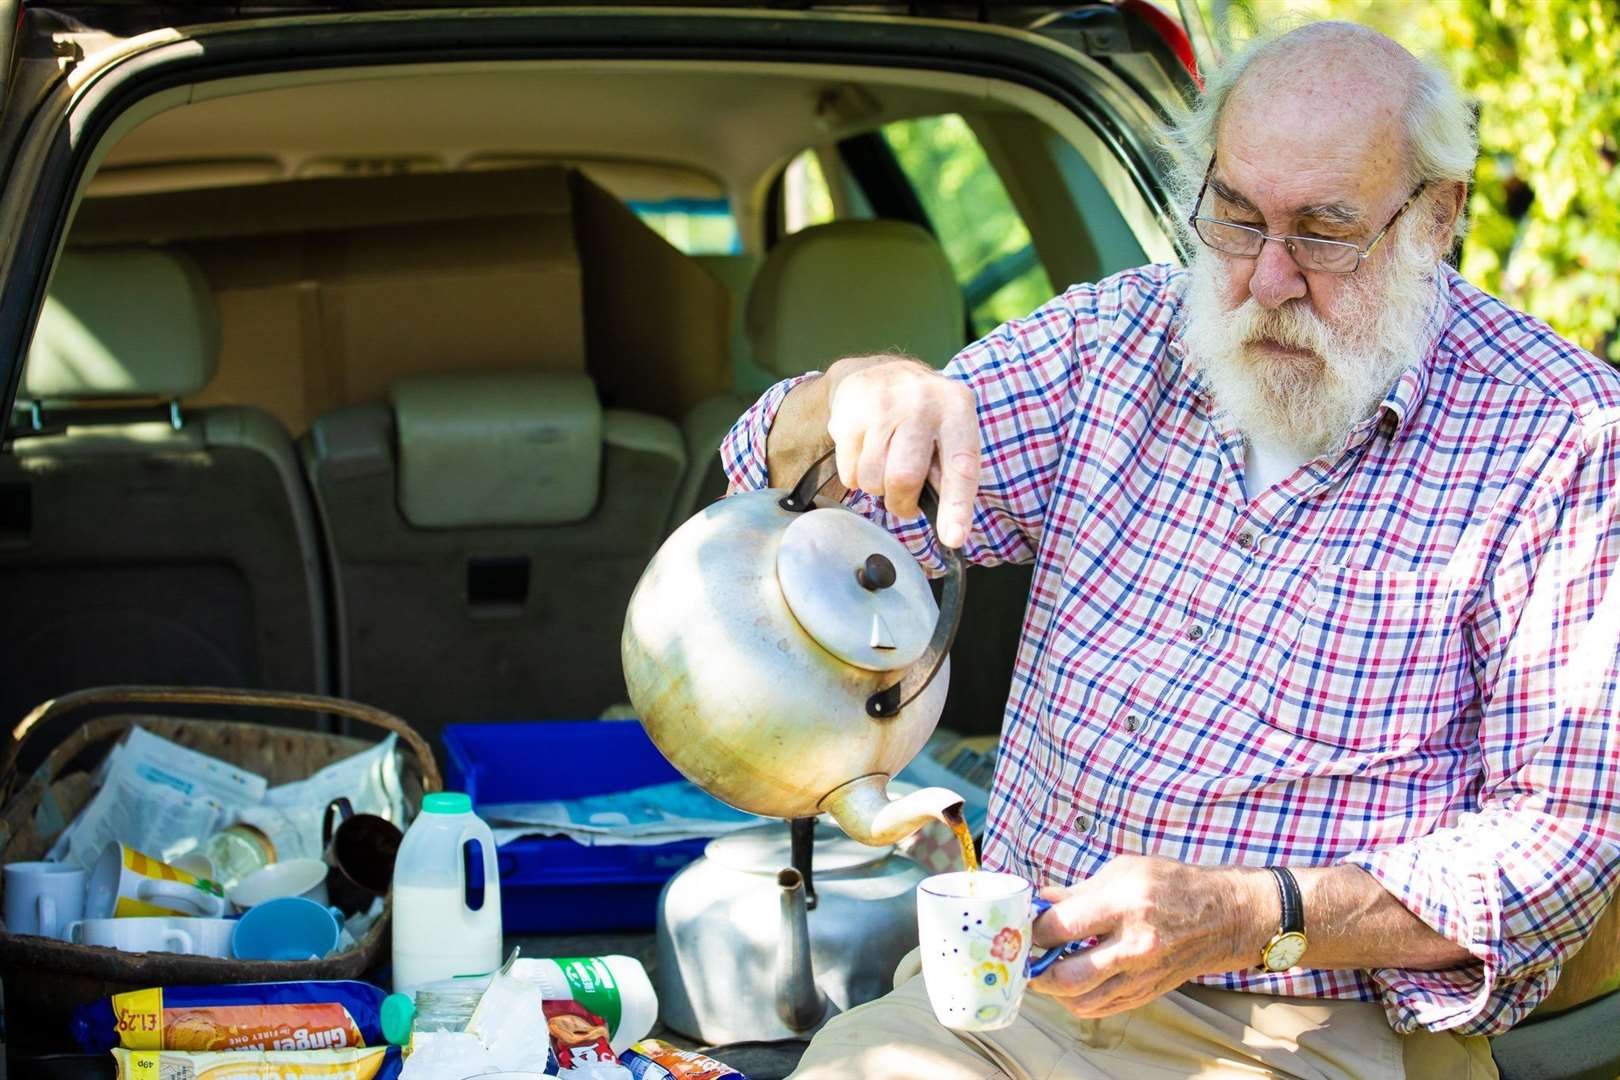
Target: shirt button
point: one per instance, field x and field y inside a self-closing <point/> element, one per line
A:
<point x="1083" y="823"/>
<point x="1245" y="539"/>
<point x="1132" y="722"/>
<point x="1195" y="632"/>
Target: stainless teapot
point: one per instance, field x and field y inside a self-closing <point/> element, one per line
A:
<point x="787" y="656"/>
<point x="752" y="947"/>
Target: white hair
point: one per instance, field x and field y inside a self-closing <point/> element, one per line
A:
<point x="1441" y="139"/>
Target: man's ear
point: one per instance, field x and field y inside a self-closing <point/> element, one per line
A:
<point x="1447" y="204"/>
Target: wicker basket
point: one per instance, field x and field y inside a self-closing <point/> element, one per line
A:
<point x="44" y="978"/>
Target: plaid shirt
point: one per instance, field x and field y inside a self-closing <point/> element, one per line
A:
<point x="1403" y="657"/>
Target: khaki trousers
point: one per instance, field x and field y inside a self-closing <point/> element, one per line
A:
<point x="1196" y="1031"/>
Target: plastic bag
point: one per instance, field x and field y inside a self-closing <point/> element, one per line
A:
<point x="314" y="1015"/>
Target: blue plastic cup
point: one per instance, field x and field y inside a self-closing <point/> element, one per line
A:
<point x="287" y="928"/>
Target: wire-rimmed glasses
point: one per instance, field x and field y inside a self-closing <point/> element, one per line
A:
<point x="1308" y="252"/>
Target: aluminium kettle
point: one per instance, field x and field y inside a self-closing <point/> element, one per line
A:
<point x="787" y="656"/>
<point x="752" y="947"/>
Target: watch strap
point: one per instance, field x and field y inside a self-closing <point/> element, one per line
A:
<point x="1293" y="904"/>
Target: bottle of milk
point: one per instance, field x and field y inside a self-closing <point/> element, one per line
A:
<point x="437" y="934"/>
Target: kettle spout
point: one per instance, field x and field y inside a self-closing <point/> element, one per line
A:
<point x="864" y="810"/>
<point x="799" y="1002"/>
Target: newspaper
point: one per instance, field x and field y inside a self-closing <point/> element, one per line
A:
<point x="164" y="800"/>
<point x="660" y="814"/>
<point x="369" y="780"/>
<point x="158" y="797"/>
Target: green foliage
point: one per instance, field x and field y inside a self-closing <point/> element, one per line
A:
<point x="970" y="210"/>
<point x="1543" y="75"/>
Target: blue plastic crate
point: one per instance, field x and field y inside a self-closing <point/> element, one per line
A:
<point x="551" y="885"/>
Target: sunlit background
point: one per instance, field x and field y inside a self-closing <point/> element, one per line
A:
<point x="1545" y="209"/>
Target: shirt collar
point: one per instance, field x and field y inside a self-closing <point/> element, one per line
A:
<point x="1407" y="394"/>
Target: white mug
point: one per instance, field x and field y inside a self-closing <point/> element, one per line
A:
<point x="291" y="877"/>
<point x="43" y="898"/>
<point x="974" y="929"/>
<point x="209" y="937"/>
<point x="141" y="933"/>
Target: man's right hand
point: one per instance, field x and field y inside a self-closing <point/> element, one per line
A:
<point x="896" y="422"/>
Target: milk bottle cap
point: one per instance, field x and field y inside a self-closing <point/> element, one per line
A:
<point x="446" y="802"/>
<point x="398" y="1013"/>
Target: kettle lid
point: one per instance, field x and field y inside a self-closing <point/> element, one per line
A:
<point x="765" y="849"/>
<point x="855" y="589"/>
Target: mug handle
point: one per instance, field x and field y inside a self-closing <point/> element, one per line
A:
<point x="47" y="916"/>
<point x="71" y="934"/>
<point x="180" y="938"/>
<point x="1038" y="966"/>
<point x="339" y="808"/>
<point x="203" y="902"/>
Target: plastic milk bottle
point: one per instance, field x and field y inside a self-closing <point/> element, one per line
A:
<point x="437" y="933"/>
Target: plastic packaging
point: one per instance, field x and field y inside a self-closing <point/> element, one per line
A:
<point x="448" y="1055"/>
<point x="437" y="933"/>
<point x="505" y="1023"/>
<point x="370" y="1063"/>
<point x="266" y="1016"/>
<point x="612" y="991"/>
<point x="653" y="1059"/>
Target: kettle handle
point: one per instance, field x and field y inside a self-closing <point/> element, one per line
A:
<point x="896" y="696"/>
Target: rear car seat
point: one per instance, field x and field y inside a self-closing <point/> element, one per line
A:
<point x="824" y="292"/>
<point x="144" y="542"/>
<point x="487" y="531"/>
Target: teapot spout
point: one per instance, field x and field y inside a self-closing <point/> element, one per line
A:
<point x="799" y="1002"/>
<point x="864" y="810"/>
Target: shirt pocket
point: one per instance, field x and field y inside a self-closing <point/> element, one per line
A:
<point x="1373" y="664"/>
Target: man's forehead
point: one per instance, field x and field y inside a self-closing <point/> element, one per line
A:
<point x="1317" y="122"/>
<point x="1297" y="156"/>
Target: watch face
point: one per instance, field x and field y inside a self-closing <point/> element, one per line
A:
<point x="1284" y="951"/>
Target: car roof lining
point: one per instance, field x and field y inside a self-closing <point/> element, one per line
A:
<point x="646" y="125"/>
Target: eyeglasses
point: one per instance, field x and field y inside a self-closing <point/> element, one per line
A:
<point x="1308" y="252"/>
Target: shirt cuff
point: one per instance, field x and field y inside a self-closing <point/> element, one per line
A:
<point x="1455" y="892"/>
<point x="742" y="452"/>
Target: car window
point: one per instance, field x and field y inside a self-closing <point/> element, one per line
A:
<point x="984" y="238"/>
<point x="695" y="226"/>
<point x="806" y="198"/>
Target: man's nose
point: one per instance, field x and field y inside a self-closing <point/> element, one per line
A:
<point x="1277" y="278"/>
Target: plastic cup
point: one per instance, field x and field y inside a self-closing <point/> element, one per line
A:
<point x="287" y="928"/>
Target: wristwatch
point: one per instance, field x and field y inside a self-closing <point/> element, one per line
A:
<point x="1287" y="946"/>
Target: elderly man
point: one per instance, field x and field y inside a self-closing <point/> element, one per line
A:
<point x="1322" y="638"/>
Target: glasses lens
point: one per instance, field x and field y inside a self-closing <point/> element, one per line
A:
<point x="1227" y="238"/>
<point x="1328" y="256"/>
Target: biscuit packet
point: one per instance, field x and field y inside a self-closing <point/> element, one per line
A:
<point x="306" y="1015"/>
<point x="654" y="1059"/>
<point x="355" y="1063"/>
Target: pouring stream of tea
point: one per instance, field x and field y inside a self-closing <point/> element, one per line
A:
<point x="970" y="857"/>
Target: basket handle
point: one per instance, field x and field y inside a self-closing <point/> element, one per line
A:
<point x="211" y="695"/>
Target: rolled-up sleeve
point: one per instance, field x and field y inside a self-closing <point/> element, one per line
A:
<point x="1520" y="880"/>
<point x="742" y="451"/>
<point x="1023" y="378"/>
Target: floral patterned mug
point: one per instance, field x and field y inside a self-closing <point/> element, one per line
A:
<point x="974" y="930"/>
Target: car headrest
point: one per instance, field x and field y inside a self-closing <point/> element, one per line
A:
<point x="497" y="449"/>
<point x="124" y="324"/>
<point x="854" y="287"/>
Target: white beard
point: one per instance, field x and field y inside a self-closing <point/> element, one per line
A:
<point x="1310" y="404"/>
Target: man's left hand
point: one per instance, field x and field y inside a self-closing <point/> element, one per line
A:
<point x="1157" y="923"/>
